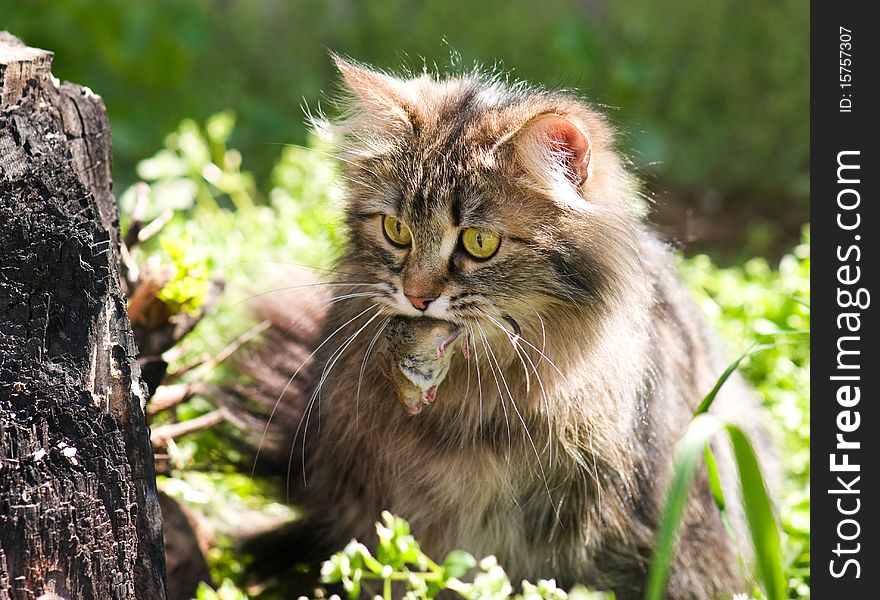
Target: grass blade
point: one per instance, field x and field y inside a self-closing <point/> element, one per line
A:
<point x="710" y="397"/>
<point x="759" y="511"/>
<point x="714" y="479"/>
<point x="687" y="457"/>
<point x="759" y="515"/>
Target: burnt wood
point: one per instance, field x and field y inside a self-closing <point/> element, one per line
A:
<point x="79" y="512"/>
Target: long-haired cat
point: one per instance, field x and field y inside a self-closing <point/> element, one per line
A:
<point x="506" y="210"/>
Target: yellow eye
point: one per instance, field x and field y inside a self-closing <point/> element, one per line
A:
<point x="480" y="243"/>
<point x="396" y="232"/>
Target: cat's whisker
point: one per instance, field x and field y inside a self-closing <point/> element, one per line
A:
<point x="472" y="340"/>
<point x="324" y="370"/>
<point x="477" y="362"/>
<point x="463" y="401"/>
<point x="373" y="341"/>
<point x="547" y="358"/>
<point x="308" y="410"/>
<point x="596" y="472"/>
<point x="545" y="399"/>
<point x="328" y="270"/>
<point x="337" y="299"/>
<point x="541" y="321"/>
<point x="523" y="356"/>
<point x="325" y="373"/>
<point x="500" y="393"/>
<point x="461" y="398"/>
<point x="513" y="338"/>
<point x="467" y="388"/>
<point x="303" y="286"/>
<point x="364" y="183"/>
<point x="549" y="414"/>
<point x="292" y="377"/>
<point x="521" y="420"/>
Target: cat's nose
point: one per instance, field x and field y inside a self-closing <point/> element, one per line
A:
<point x="420" y="302"/>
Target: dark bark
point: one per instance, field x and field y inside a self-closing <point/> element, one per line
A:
<point x="79" y="514"/>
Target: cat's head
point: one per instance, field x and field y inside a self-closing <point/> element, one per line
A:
<point x="471" y="198"/>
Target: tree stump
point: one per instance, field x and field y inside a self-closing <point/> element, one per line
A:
<point x="79" y="513"/>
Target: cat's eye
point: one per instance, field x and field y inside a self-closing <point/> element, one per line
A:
<point x="479" y="243"/>
<point x="396" y="231"/>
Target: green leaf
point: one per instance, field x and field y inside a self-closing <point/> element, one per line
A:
<point x="581" y="593"/>
<point x="457" y="563"/>
<point x="759" y="513"/>
<point x="219" y="126"/>
<point x="710" y="397"/>
<point x="714" y="480"/>
<point x="688" y="452"/>
<point x="226" y="591"/>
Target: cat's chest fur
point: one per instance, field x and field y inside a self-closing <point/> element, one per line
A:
<point x="473" y="499"/>
<point x="479" y="471"/>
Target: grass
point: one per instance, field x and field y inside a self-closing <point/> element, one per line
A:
<point x="761" y="310"/>
<point x="761" y="520"/>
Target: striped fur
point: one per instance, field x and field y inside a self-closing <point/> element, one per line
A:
<point x="553" y="452"/>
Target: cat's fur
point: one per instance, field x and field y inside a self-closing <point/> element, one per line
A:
<point x="553" y="453"/>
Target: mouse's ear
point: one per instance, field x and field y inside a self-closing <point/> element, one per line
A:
<point x="384" y="364"/>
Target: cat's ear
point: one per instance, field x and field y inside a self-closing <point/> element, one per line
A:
<point x="551" y="147"/>
<point x="375" y="91"/>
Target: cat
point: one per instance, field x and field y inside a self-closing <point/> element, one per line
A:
<point x="506" y="210"/>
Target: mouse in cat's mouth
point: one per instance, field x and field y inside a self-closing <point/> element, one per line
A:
<point x="417" y="359"/>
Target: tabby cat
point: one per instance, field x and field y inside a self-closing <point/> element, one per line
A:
<point x="505" y="210"/>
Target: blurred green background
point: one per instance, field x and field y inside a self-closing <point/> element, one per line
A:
<point x="711" y="97"/>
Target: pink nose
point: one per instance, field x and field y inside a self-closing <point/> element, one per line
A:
<point x="419" y="302"/>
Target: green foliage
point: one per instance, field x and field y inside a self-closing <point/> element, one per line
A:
<point x="754" y="303"/>
<point x="197" y="167"/>
<point x="226" y="591"/>
<point x="223" y="227"/>
<point x="400" y="561"/>
<point x="296" y="221"/>
<point x="717" y="115"/>
<point x="714" y="93"/>
<point x="188" y="286"/>
<point x="227" y="501"/>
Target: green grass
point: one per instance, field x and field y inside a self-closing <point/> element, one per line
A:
<point x="758" y="507"/>
<point x="756" y="304"/>
<point x="224" y="224"/>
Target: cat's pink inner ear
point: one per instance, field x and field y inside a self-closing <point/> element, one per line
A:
<point x="552" y="146"/>
<point x="570" y="144"/>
